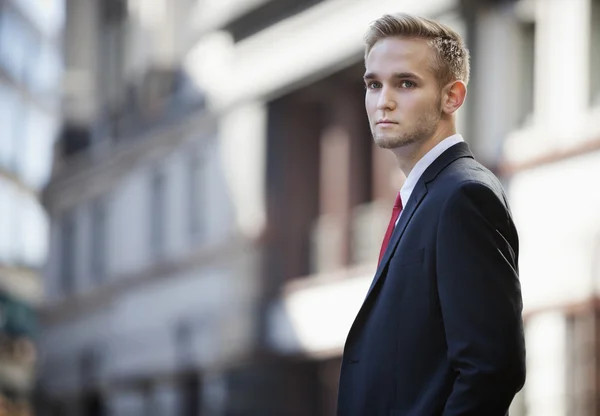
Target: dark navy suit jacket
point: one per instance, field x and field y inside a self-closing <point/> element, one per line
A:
<point x="440" y="331"/>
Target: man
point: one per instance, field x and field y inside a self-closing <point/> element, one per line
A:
<point x="440" y="331"/>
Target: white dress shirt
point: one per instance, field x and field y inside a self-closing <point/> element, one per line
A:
<point x="422" y="165"/>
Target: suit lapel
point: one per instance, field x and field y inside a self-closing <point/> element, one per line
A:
<point x="455" y="152"/>
<point x="413" y="203"/>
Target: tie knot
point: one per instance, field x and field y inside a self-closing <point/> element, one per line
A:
<point x="398" y="202"/>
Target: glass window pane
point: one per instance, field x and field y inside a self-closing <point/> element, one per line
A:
<point x="34" y="231"/>
<point x="30" y="65"/>
<point x="98" y="246"/>
<point x="45" y="79"/>
<point x="48" y="15"/>
<point x="35" y="150"/>
<point x="8" y="121"/>
<point x="595" y="54"/>
<point x="5" y="220"/>
<point x="157" y="213"/>
<point x="9" y="242"/>
<point x="67" y="251"/>
<point x="18" y="129"/>
<point x="13" y="43"/>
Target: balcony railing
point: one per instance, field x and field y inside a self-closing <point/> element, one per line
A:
<point x="165" y="98"/>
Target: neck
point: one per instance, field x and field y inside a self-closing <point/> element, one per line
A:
<point x="409" y="155"/>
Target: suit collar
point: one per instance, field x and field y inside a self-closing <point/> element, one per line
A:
<point x="453" y="153"/>
<point x="421" y="166"/>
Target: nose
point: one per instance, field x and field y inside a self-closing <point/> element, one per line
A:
<point x="386" y="101"/>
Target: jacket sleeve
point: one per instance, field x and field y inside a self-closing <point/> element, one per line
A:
<point x="480" y="299"/>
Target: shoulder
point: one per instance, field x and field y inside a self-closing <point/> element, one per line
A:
<point x="468" y="178"/>
<point x="466" y="187"/>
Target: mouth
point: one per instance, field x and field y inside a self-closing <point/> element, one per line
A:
<point x="386" y="123"/>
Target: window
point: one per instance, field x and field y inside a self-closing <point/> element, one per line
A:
<point x="8" y="101"/>
<point x="45" y="78"/>
<point x="24" y="223"/>
<point x="11" y="48"/>
<point x="27" y="56"/>
<point x="527" y="73"/>
<point x="67" y="252"/>
<point x="157" y="213"/>
<point x="595" y="54"/>
<point x="112" y="43"/>
<point x="16" y="129"/>
<point x="33" y="231"/>
<point x="30" y="64"/>
<point x="112" y="62"/>
<point x="196" y="192"/>
<point x="98" y="240"/>
<point x="19" y="45"/>
<point x="35" y="148"/>
<point x="7" y="201"/>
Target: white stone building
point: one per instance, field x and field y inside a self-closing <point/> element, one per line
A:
<point x="30" y="69"/>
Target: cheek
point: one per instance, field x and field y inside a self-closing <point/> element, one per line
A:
<point x="416" y="105"/>
<point x="370" y="106"/>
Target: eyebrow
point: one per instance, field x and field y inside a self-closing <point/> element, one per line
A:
<point x="397" y="75"/>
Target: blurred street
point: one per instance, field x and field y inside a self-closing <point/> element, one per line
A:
<point x="192" y="205"/>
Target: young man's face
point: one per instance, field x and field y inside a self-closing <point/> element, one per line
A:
<point x="403" y="96"/>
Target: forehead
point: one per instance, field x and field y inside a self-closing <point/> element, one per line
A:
<point x="395" y="54"/>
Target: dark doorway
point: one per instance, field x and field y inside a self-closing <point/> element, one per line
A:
<point x="93" y="405"/>
<point x="191" y="388"/>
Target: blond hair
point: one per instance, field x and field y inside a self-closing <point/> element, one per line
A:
<point x="451" y="60"/>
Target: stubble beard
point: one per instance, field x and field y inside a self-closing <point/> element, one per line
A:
<point x="426" y="126"/>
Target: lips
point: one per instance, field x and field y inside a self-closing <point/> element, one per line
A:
<point x="386" y="122"/>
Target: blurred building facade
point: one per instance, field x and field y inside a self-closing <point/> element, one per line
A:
<point x="148" y="282"/>
<point x="30" y="66"/>
<point x="217" y="203"/>
<point x="550" y="161"/>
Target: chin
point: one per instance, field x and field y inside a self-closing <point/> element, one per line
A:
<point x="390" y="142"/>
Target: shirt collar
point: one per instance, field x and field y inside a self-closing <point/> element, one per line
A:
<point x="423" y="164"/>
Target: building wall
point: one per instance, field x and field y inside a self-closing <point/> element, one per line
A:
<point x="175" y="302"/>
<point x="202" y="284"/>
<point x="555" y="208"/>
<point x="29" y="84"/>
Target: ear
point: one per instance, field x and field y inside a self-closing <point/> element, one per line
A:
<point x="453" y="96"/>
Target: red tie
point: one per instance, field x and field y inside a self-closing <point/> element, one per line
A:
<point x="388" y="234"/>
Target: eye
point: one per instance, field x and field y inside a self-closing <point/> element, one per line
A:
<point x="373" y="85"/>
<point x="407" y="84"/>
